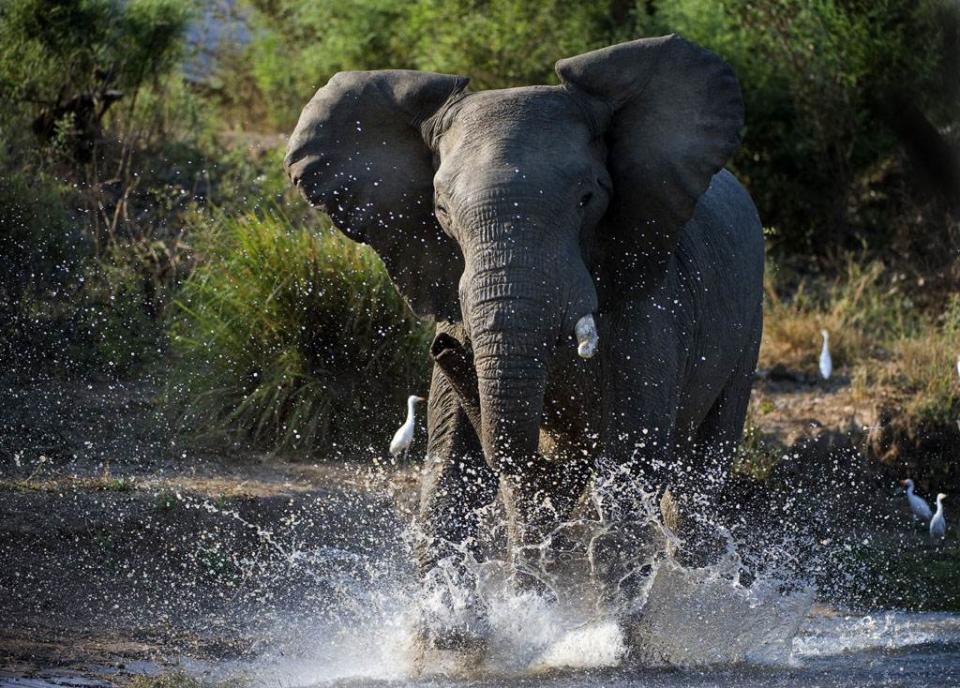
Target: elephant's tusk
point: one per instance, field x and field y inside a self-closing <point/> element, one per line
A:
<point x="587" y="337"/>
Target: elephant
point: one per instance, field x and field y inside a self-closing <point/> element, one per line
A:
<point x="594" y="272"/>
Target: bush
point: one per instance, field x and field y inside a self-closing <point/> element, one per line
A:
<point x="66" y="63"/>
<point x="498" y="43"/>
<point x="293" y="338"/>
<point x="824" y="82"/>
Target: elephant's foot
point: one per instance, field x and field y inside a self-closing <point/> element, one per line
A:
<point x="621" y="562"/>
<point x="452" y="649"/>
<point x="453" y="618"/>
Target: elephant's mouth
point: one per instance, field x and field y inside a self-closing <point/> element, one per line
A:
<point x="299" y="167"/>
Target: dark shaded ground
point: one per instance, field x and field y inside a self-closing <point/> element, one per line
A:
<point x="122" y="546"/>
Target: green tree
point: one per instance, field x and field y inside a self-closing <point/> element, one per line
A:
<point x="63" y="63"/>
<point x="820" y="78"/>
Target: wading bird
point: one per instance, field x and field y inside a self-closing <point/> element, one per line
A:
<point x="826" y="363"/>
<point x="918" y="505"/>
<point x="404" y="434"/>
<point x="938" y="525"/>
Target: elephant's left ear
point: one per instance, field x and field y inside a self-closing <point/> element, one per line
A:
<point x="676" y="114"/>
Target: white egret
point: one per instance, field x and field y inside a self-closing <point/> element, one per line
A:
<point x="404" y="434"/>
<point x="826" y="363"/>
<point x="918" y="505"/>
<point x="958" y="365"/>
<point x="938" y="525"/>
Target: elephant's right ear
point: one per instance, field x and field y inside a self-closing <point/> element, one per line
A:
<point x="358" y="154"/>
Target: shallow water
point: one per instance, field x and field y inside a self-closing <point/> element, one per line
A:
<point x="316" y="604"/>
<point x="885" y="649"/>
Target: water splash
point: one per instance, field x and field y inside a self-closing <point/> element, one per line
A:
<point x="680" y="615"/>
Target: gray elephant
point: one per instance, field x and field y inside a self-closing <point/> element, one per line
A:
<point x="542" y="225"/>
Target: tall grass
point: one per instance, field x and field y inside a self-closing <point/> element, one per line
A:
<point x="920" y="377"/>
<point x="294" y="338"/>
<point x="891" y="350"/>
<point x="862" y="309"/>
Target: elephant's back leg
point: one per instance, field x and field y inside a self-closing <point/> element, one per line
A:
<point x="721" y="429"/>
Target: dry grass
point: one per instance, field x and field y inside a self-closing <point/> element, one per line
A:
<point x="862" y="310"/>
<point x="889" y="349"/>
<point x="920" y="376"/>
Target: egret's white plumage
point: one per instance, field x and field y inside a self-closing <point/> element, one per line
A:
<point x="826" y="363"/>
<point x="404" y="434"/>
<point x="938" y="525"/>
<point x="958" y="365"/>
<point x="918" y="505"/>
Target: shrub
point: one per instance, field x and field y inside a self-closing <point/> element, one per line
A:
<point x="498" y="43"/>
<point x="293" y="338"/>
<point x="836" y="91"/>
<point x="66" y="63"/>
<point x="824" y="83"/>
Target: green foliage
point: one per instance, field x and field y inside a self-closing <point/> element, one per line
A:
<point x="94" y="202"/>
<point x="52" y="49"/>
<point x="40" y="245"/>
<point x="818" y="79"/>
<point x="502" y="43"/>
<point x="293" y="338"/>
<point x="321" y="38"/>
<point x="821" y="79"/>
<point x="498" y="43"/>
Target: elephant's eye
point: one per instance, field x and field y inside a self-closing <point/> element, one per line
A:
<point x="440" y="211"/>
<point x="585" y="199"/>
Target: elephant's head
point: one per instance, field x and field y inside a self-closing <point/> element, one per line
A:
<point x="511" y="209"/>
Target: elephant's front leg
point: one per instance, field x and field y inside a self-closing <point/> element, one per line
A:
<point x="539" y="497"/>
<point x="638" y="456"/>
<point x="631" y="536"/>
<point x="456" y="485"/>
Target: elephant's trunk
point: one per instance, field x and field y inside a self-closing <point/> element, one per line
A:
<point x="456" y="362"/>
<point x="515" y="322"/>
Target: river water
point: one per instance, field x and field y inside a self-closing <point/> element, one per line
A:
<point x="883" y="649"/>
<point x="319" y="605"/>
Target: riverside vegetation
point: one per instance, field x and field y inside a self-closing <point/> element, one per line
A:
<point x="147" y="230"/>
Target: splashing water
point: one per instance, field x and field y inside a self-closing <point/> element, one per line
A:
<point x="321" y="589"/>
<point x="680" y="616"/>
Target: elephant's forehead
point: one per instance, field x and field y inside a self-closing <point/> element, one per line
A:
<point x="537" y="106"/>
